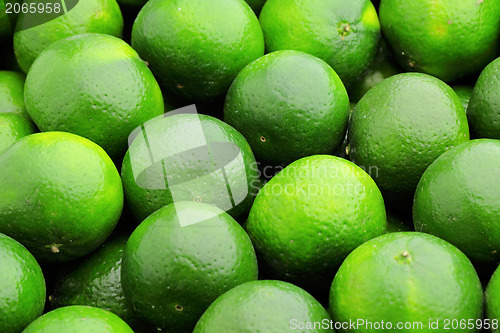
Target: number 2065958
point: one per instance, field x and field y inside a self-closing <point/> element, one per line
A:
<point x="33" y="8"/>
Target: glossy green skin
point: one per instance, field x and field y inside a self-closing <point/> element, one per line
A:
<point x="173" y="269"/>
<point x="262" y="306"/>
<point x="293" y="100"/>
<point x="12" y="93"/>
<point x="96" y="281"/>
<point x="61" y="195"/>
<point x="78" y="319"/>
<point x="14" y="127"/>
<point x="457" y="199"/>
<point x="432" y="280"/>
<point x="89" y="16"/>
<point x="22" y="286"/>
<point x="492" y="298"/>
<point x="402" y="125"/>
<point x="442" y="38"/>
<point x="101" y="85"/>
<point x="317" y="27"/>
<point x="200" y="61"/>
<point x="178" y="134"/>
<point x="307" y="219"/>
<point x="256" y="5"/>
<point x="464" y="93"/>
<point x="484" y="107"/>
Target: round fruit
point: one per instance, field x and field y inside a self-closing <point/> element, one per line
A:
<point x="22" y="286"/>
<point x="78" y="319"/>
<point x="12" y="93"/>
<point x="95" y="86"/>
<point x="61" y="195"/>
<point x="457" y="199"/>
<point x="401" y="126"/>
<point x="96" y="281"/>
<point x="484" y="107"/>
<point x="344" y="34"/>
<point x="406" y="278"/>
<point x="308" y="218"/>
<point x="444" y="38"/>
<point x="180" y="259"/>
<point x="492" y="300"/>
<point x="256" y="5"/>
<point x="263" y="306"/>
<point x="464" y="93"/>
<point x="13" y="127"/>
<point x="97" y="16"/>
<point x="189" y="157"/>
<point x="288" y="105"/>
<point x="196" y="48"/>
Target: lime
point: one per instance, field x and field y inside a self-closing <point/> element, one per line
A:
<point x="308" y="217"/>
<point x="88" y="16"/>
<point x="288" y="105"/>
<point x="78" y="319"/>
<point x="6" y="20"/>
<point x="464" y="93"/>
<point x="263" y="306"/>
<point x="95" y="86"/>
<point x="22" y="286"/>
<point x="444" y="38"/>
<point x="457" y="199"/>
<point x="180" y="259"/>
<point x="484" y="107"/>
<point x="344" y="34"/>
<point x="61" y="195"/>
<point x="96" y="281"/>
<point x="136" y="3"/>
<point x="189" y="157"/>
<point x="196" y="47"/>
<point x="12" y="93"/>
<point x="401" y="126"/>
<point x="407" y="279"/>
<point x="13" y="127"/>
<point x="492" y="300"/>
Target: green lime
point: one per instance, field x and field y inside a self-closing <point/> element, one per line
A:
<point x="78" y="319"/>
<point x="457" y="199"/>
<point x="405" y="282"/>
<point x="484" y="107"/>
<point x="12" y="93"/>
<point x="196" y="47"/>
<point x="492" y="300"/>
<point x="180" y="259"/>
<point x="256" y="5"/>
<point x="189" y="157"/>
<point x="464" y="93"/>
<point x="7" y="18"/>
<point x="95" y="86"/>
<point x="308" y="217"/>
<point x="288" y="105"/>
<point x="14" y="127"/>
<point x="88" y="16"/>
<point x="61" y="195"/>
<point x="344" y="34"/>
<point x="263" y="306"/>
<point x="443" y="38"/>
<point x="22" y="286"/>
<point x="401" y="126"/>
<point x="96" y="281"/>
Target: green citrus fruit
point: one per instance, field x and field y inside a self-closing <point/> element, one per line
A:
<point x="196" y="48"/>
<point x="96" y="281"/>
<point x="88" y="16"/>
<point x="256" y="5"/>
<point x="78" y="319"/>
<point x="406" y="278"/>
<point x="288" y="105"/>
<point x="444" y="38"/>
<point x="189" y="157"/>
<point x="484" y="107"/>
<point x="263" y="306"/>
<point x="492" y="300"/>
<point x="95" y="86"/>
<point x="12" y="92"/>
<point x="401" y="126"/>
<point x="7" y="19"/>
<point x="308" y="218"/>
<point x="180" y="259"/>
<point x="22" y="286"/>
<point x="344" y="34"/>
<point x="464" y="93"/>
<point x="457" y="199"/>
<point x="61" y="195"/>
<point x="13" y="127"/>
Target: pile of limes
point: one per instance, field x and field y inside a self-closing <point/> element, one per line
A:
<point x="249" y="166"/>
